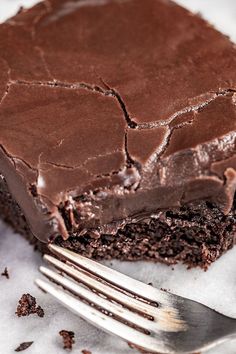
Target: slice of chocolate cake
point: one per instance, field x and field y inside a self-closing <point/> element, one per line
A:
<point x="117" y="130"/>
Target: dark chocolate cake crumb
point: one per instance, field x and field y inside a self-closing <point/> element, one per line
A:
<point x="27" y="306"/>
<point x="84" y="351"/>
<point x="5" y="273"/>
<point x="68" y="338"/>
<point x="23" y="346"/>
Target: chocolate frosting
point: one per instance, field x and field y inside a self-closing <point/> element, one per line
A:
<point x="114" y="109"/>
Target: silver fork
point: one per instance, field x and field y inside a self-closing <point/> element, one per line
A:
<point x="148" y="318"/>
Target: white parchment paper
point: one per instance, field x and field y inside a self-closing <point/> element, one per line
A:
<point x="216" y="287"/>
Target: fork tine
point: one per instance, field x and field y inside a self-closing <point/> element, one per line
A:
<point x="114" y="277"/>
<point x="108" y="324"/>
<point x="106" y="304"/>
<point x="166" y="317"/>
<point x="105" y="289"/>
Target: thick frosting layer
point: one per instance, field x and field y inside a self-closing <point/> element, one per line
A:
<point x="114" y="109"/>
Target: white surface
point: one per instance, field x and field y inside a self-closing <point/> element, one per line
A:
<point x="216" y="288"/>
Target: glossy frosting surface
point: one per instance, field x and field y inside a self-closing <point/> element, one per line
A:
<point x="113" y="109"/>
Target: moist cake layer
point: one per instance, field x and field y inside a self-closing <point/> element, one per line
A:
<point x="116" y="111"/>
<point x="195" y="234"/>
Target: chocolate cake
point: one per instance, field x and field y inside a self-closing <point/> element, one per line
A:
<point x="117" y="130"/>
<point x="27" y="306"/>
<point x="68" y="338"/>
<point x="23" y="346"/>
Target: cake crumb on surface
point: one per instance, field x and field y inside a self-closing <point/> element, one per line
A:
<point x="27" y="306"/>
<point x="84" y="351"/>
<point x="5" y="273"/>
<point x="68" y="338"/>
<point x="23" y="346"/>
